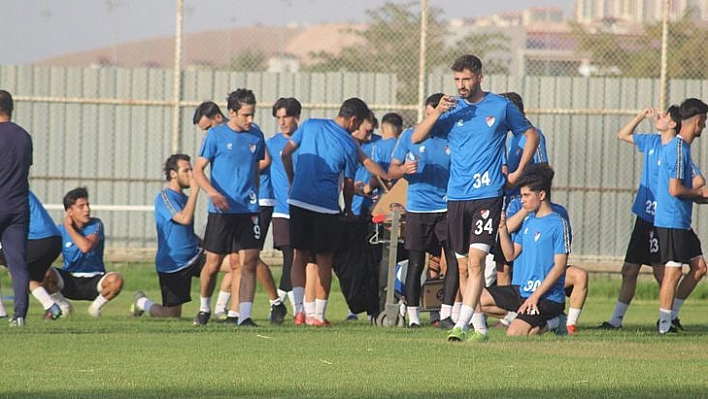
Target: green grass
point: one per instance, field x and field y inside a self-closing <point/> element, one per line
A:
<point x="120" y="356"/>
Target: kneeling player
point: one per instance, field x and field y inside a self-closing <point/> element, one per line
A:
<point x="540" y="254"/>
<point x="83" y="276"/>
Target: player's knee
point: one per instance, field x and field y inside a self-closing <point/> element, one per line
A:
<point x="629" y="271"/>
<point x="699" y="268"/>
<point x="113" y="283"/>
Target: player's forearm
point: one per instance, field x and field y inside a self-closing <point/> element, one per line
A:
<point x="348" y="192"/>
<point x="422" y="130"/>
<point x="514" y="222"/>
<point x="186" y="215"/>
<point x="627" y="131"/>
<point x="82" y="243"/>
<point x="676" y="189"/>
<point x="204" y="183"/>
<point x="507" y="246"/>
<point x="395" y="171"/>
<point x="560" y="263"/>
<point x="375" y="169"/>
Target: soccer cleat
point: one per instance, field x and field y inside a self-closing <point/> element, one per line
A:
<point x="201" y="319"/>
<point x="447" y="324"/>
<point x="677" y="323"/>
<point x="352" y="317"/>
<point x="572" y="329"/>
<point x="53" y="313"/>
<point x="94" y="311"/>
<point x="457" y="334"/>
<point x="672" y="331"/>
<point x="134" y="309"/>
<point x="277" y="314"/>
<point x="607" y="326"/>
<point x="248" y="323"/>
<point x="414" y="325"/>
<point x="561" y="329"/>
<point x="317" y="322"/>
<point x="221" y="315"/>
<point x="299" y="319"/>
<point x="477" y="337"/>
<point x="17" y="321"/>
<point x="233" y="320"/>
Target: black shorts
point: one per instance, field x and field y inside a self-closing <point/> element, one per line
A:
<point x="643" y="248"/>
<point x="281" y="232"/>
<point x="314" y="231"/>
<point x="80" y="288"/>
<point x="678" y="246"/>
<point x="41" y="254"/>
<point x="508" y="297"/>
<point x="426" y="232"/>
<point x="230" y="232"/>
<point x="264" y="222"/>
<point x="176" y="286"/>
<point x="473" y="223"/>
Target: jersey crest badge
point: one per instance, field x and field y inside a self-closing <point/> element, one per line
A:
<point x="490" y="121"/>
<point x="229" y="146"/>
<point x="484" y="213"/>
<point x="252" y="198"/>
<point x="447" y="150"/>
<point x="460" y="123"/>
<point x="421" y="148"/>
<point x="651" y="152"/>
<point x="536" y="236"/>
<point x="252" y="148"/>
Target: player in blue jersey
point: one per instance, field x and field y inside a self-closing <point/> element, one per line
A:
<point x="426" y="167"/>
<point x="83" y="275"/>
<point x="233" y="151"/>
<point x="43" y="248"/>
<point x="364" y="181"/>
<point x="540" y="254"/>
<point x="207" y="115"/>
<point x="678" y="243"/>
<point x="476" y="124"/>
<point x="325" y="151"/>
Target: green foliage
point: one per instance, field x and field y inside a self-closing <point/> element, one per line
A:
<point x="248" y="60"/>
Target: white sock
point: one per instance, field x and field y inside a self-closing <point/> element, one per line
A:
<point x="145" y="304"/>
<point x="510" y="316"/>
<point x="479" y="322"/>
<point x="291" y="298"/>
<point x="573" y="316"/>
<point x="463" y="320"/>
<point x="3" y="312"/>
<point x="309" y="309"/>
<point x="232" y="313"/>
<point x="455" y="315"/>
<point x="282" y="294"/>
<point x="618" y="314"/>
<point x="43" y="297"/>
<point x="298" y="299"/>
<point x="320" y="309"/>
<point x="275" y="301"/>
<point x="244" y="311"/>
<point x="222" y="301"/>
<point x="413" y="315"/>
<point x="205" y="304"/>
<point x="445" y="311"/>
<point x="99" y="302"/>
<point x="664" y="320"/>
<point x="677" y="308"/>
<point x="553" y="323"/>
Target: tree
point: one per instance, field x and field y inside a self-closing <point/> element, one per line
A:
<point x="248" y="60"/>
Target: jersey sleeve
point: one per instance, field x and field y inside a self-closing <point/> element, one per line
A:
<point x="261" y="146"/>
<point x="297" y="136"/>
<point x="517" y="123"/>
<point x="166" y="206"/>
<point x="640" y="141"/>
<point x="351" y="162"/>
<point x="541" y="155"/>
<point x="208" y="149"/>
<point x="674" y="159"/>
<point x="561" y="237"/>
<point x="518" y="237"/>
<point x="401" y="148"/>
<point x="695" y="172"/>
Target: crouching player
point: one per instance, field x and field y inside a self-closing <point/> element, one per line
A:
<point x="540" y="254"/>
<point x="83" y="276"/>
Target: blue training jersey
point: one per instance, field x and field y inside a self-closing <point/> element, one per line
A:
<point x="325" y="152"/>
<point x="266" y="197"/>
<point x="674" y="163"/>
<point x="476" y="135"/>
<point x="515" y="206"/>
<point x="427" y="187"/>
<point x="84" y="264"/>
<point x="645" y="203"/>
<point x="382" y="152"/>
<point x="278" y="177"/>
<point x="540" y="240"/>
<point x="234" y="157"/>
<point x="177" y="245"/>
<point x="512" y="157"/>
<point x="41" y="224"/>
<point x="361" y="203"/>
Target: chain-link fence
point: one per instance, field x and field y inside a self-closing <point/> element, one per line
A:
<point x="107" y="118"/>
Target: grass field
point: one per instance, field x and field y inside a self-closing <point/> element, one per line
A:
<point x="121" y="356"/>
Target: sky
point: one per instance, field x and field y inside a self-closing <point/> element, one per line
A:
<point x="37" y="29"/>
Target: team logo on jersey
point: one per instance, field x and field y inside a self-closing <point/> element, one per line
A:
<point x="484" y="213"/>
<point x="490" y="121"/>
<point x="526" y="231"/>
<point x="68" y="244"/>
<point x="536" y="235"/>
<point x="254" y="220"/>
<point x="229" y="146"/>
<point x="421" y="148"/>
<point x="252" y="198"/>
<point x="651" y="152"/>
<point x="447" y="150"/>
<point x="252" y="148"/>
<point x="460" y="123"/>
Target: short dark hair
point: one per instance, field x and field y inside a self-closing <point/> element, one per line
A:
<point x="171" y="163"/>
<point x="691" y="107"/>
<point x="6" y="103"/>
<point x="394" y="120"/>
<point x="240" y="97"/>
<point x="469" y="62"/>
<point x="516" y="99"/>
<point x="434" y="99"/>
<point x="291" y="106"/>
<point x="675" y="116"/>
<point x="537" y="177"/>
<point x="372" y="118"/>
<point x="208" y="109"/>
<point x="354" y="107"/>
<point x="74" y="195"/>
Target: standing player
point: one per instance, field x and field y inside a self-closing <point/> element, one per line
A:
<point x="179" y="257"/>
<point x="83" y="276"/>
<point x="233" y="150"/>
<point x="426" y="167"/>
<point x="678" y="243"/>
<point x="540" y="252"/>
<point x="325" y="152"/>
<point x="475" y="124"/>
<point x="15" y="161"/>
